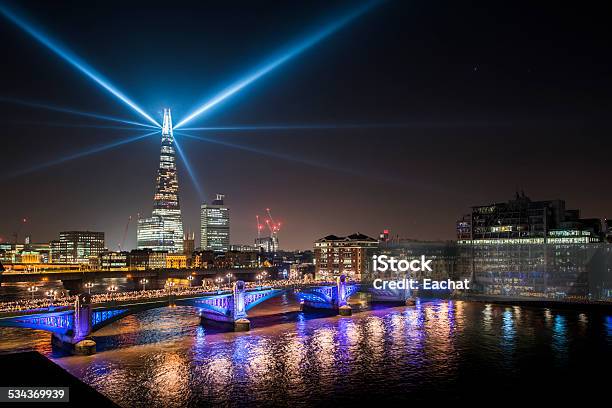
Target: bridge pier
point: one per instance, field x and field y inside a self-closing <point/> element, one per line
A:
<point x="329" y="297"/>
<point x="235" y="316"/>
<point x="243" y="324"/>
<point x="78" y="340"/>
<point x="345" y="310"/>
<point x="84" y="347"/>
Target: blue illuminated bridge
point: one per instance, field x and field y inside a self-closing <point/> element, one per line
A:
<point x="72" y="327"/>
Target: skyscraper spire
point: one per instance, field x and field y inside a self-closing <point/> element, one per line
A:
<point x="163" y="231"/>
<point x="167" y="125"/>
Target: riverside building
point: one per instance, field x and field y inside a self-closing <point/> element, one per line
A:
<point x="350" y="256"/>
<point x="525" y="248"/>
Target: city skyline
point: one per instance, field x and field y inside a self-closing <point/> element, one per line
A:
<point x="304" y="156"/>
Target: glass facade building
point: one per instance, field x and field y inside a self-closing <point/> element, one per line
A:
<point x="541" y="269"/>
<point x="78" y="246"/>
<point x="539" y="249"/>
<point x="215" y="226"/>
<point x="163" y="231"/>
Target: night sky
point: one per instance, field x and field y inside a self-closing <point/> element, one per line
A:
<point x="458" y="104"/>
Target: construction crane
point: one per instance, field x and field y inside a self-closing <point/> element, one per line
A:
<point x="275" y="226"/>
<point x="19" y="228"/>
<point x="270" y="244"/>
<point x="259" y="227"/>
<point x="125" y="231"/>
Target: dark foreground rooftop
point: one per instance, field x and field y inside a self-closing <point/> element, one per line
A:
<point x="33" y="369"/>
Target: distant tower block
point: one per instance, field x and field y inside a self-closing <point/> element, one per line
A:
<point x="215" y="225"/>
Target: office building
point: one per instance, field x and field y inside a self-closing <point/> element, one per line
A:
<point x="525" y="248"/>
<point x="244" y="248"/>
<point x="524" y="219"/>
<point x="113" y="261"/>
<point x="141" y="259"/>
<point x="77" y="247"/>
<point x="176" y="261"/>
<point x="215" y="226"/>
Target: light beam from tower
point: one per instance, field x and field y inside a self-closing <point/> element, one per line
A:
<point x="192" y="175"/>
<point x="294" y="51"/>
<point x="73" y="60"/>
<point x="78" y="155"/>
<point x="167" y="129"/>
<point x="71" y="111"/>
<point x="290" y="158"/>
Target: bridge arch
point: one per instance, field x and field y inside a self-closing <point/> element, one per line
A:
<point x="329" y="297"/>
<point x="80" y="323"/>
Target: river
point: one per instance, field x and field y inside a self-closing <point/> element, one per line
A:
<point x="436" y="349"/>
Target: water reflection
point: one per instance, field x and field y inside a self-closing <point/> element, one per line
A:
<point x="559" y="337"/>
<point x="165" y="358"/>
<point x="487" y="319"/>
<point x="508" y="331"/>
<point x="169" y="378"/>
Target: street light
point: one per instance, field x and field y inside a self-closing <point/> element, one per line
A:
<point x="258" y="277"/>
<point x="144" y="282"/>
<point x="89" y="285"/>
<point x="219" y="281"/>
<point x="33" y="289"/>
<point x="229" y="279"/>
<point x="112" y="288"/>
<point x="190" y="279"/>
<point x="51" y="294"/>
<point x="170" y="284"/>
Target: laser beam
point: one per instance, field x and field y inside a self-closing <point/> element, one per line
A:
<point x="192" y="175"/>
<point x="290" y="158"/>
<point x="73" y="112"/>
<point x="269" y="127"/>
<point x="74" y="125"/>
<point x="248" y="128"/>
<point x="78" y="155"/>
<point x="294" y="51"/>
<point x="72" y="59"/>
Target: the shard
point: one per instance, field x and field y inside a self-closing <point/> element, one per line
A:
<point x="163" y="231"/>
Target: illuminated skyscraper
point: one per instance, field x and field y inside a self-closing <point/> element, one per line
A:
<point x="163" y="231"/>
<point x="215" y="226"/>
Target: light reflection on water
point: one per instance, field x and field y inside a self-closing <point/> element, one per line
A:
<point x="165" y="358"/>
